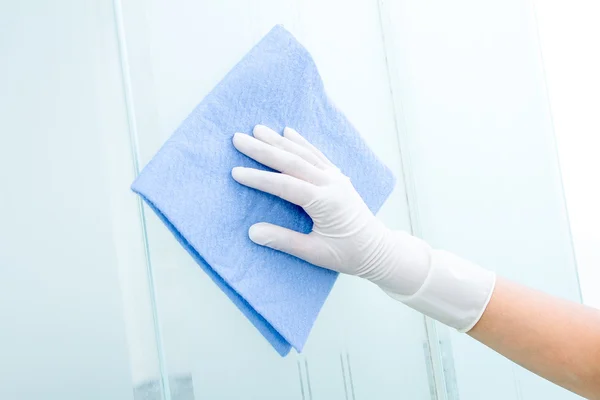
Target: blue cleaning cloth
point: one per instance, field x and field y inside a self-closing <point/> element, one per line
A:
<point x="188" y="184"/>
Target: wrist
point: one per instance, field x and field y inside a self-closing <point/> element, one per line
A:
<point x="455" y="292"/>
<point x="404" y="263"/>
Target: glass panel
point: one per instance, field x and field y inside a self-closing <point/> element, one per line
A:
<point x="76" y="322"/>
<point x="483" y="160"/>
<point x="363" y="344"/>
<point x="74" y="298"/>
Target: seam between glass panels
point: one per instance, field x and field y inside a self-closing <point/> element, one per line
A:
<point x="134" y="147"/>
<point x="444" y="390"/>
<point x="300" y="378"/>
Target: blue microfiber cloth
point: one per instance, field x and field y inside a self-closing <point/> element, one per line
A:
<point x="188" y="184"/>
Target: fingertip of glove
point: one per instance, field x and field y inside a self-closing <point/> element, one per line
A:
<point x="256" y="233"/>
<point x="235" y="172"/>
<point x="287" y="132"/>
<point x="240" y="141"/>
<point x="259" y="130"/>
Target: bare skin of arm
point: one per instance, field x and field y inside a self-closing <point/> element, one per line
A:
<point x="554" y="338"/>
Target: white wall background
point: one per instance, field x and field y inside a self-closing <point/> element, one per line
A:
<point x="570" y="44"/>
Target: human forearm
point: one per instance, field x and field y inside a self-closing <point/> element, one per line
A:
<point x="554" y="338"/>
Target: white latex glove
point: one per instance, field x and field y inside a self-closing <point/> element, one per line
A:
<point x="346" y="236"/>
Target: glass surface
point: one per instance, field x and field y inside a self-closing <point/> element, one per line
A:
<point x="95" y="306"/>
<point x="479" y="132"/>
<point x="75" y="312"/>
<point x="71" y="260"/>
<point x="363" y="345"/>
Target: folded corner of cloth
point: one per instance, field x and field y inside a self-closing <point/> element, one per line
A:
<point x="188" y="185"/>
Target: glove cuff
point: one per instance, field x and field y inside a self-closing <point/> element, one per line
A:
<point x="456" y="292"/>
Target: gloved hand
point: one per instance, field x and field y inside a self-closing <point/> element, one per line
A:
<point x="346" y="236"/>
